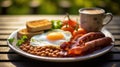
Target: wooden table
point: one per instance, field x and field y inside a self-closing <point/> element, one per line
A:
<point x="8" y="58"/>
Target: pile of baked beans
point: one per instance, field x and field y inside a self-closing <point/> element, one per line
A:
<point x="46" y="51"/>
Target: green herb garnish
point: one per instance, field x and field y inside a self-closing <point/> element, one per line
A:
<point x="21" y="40"/>
<point x="11" y="40"/>
<point x="56" y="24"/>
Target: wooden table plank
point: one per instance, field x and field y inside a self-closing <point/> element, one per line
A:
<point x="7" y="64"/>
<point x="113" y="26"/>
<point x="36" y="64"/>
<point x="19" y="26"/>
<point x="3" y="42"/>
<point x="15" y="27"/>
<point x="10" y="23"/>
<point x="4" y="36"/>
<point x="114" y="32"/>
<point x="6" y="32"/>
<point x="24" y="18"/>
<point x="117" y="42"/>
<point x="4" y="49"/>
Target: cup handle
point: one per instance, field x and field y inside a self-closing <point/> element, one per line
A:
<point x="109" y="15"/>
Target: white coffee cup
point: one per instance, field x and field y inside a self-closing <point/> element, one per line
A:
<point x="92" y="19"/>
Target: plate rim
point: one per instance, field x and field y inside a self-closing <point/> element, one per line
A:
<point x="64" y="59"/>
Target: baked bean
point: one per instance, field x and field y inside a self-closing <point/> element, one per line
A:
<point x="28" y="51"/>
<point x="21" y="47"/>
<point x="28" y="47"/>
<point x="43" y="54"/>
<point x="37" y="53"/>
<point x="56" y="51"/>
<point x="43" y="51"/>
<point x="31" y="48"/>
<point x="49" y="51"/>
<point x="35" y="49"/>
<point x="24" y="49"/>
<point x="46" y="52"/>
<point x="32" y="52"/>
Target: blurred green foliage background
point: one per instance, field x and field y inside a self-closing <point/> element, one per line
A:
<point x="25" y="7"/>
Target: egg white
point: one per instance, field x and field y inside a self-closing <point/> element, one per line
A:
<point x="41" y="40"/>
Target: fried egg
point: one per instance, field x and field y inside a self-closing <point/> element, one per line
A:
<point x="51" y="38"/>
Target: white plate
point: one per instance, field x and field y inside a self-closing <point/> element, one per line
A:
<point x="65" y="59"/>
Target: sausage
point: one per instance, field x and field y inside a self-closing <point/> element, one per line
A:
<point x="88" y="37"/>
<point x="101" y="42"/>
<point x="91" y="45"/>
<point x="81" y="40"/>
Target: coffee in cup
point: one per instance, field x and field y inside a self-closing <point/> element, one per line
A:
<point x="92" y="19"/>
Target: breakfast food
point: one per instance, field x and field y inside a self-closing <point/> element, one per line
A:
<point x="88" y="37"/>
<point x="38" y="25"/>
<point x="58" y="38"/>
<point x="92" y="11"/>
<point x="90" y="46"/>
<point x="79" y="41"/>
<point x="24" y="31"/>
<point x="51" y="38"/>
<point x="34" y="28"/>
<point x="47" y="51"/>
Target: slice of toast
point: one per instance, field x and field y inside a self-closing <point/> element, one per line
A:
<point x="38" y="25"/>
<point x="24" y="31"/>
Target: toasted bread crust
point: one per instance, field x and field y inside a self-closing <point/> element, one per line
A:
<point x="38" y="25"/>
<point x="24" y="31"/>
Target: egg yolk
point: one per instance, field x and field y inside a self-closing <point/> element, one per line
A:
<point x="55" y="36"/>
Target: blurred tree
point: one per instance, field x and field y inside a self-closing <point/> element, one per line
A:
<point x="56" y="6"/>
<point x="48" y="7"/>
<point x="19" y="7"/>
<point x="64" y="6"/>
<point x="5" y="4"/>
<point x="34" y="5"/>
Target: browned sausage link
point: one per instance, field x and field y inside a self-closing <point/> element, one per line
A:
<point x="91" y="45"/>
<point x="81" y="40"/>
<point x="101" y="42"/>
<point x="90" y="36"/>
